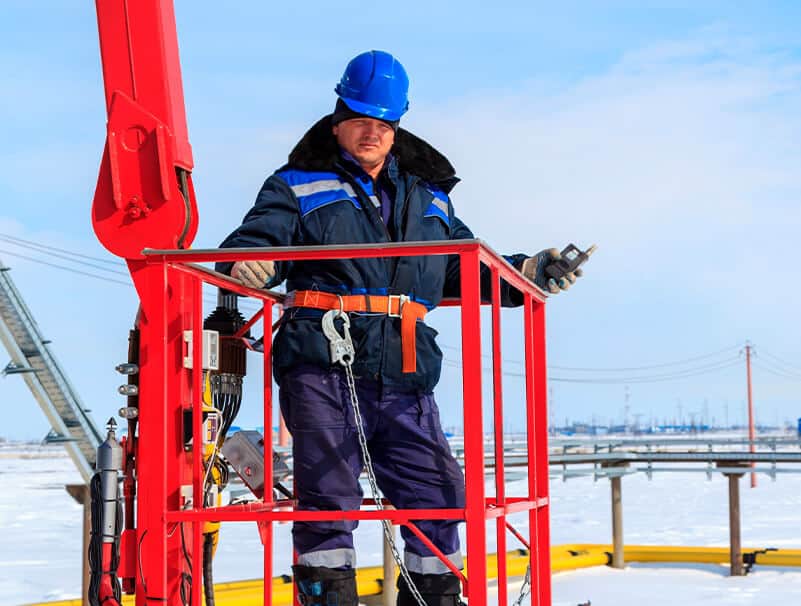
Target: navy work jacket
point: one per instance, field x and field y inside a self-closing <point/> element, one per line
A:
<point x="315" y="200"/>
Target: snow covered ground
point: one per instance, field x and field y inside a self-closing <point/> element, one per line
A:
<point x="40" y="526"/>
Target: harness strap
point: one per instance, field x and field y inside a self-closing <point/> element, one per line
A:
<point x="395" y="306"/>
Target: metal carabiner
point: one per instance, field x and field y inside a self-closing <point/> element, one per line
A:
<point x="340" y="345"/>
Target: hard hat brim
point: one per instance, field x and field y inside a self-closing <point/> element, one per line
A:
<point x="373" y="111"/>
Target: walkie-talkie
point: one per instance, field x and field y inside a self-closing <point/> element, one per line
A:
<point x="572" y="258"/>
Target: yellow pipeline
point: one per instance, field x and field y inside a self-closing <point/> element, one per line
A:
<point x="572" y="557"/>
<point x="563" y="557"/>
<point x="702" y="555"/>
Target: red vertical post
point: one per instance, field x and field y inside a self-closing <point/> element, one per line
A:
<point x="267" y="526"/>
<point x="500" y="480"/>
<point x="196" y="309"/>
<point x="475" y="506"/>
<point x="283" y="432"/>
<point x="751" y="432"/>
<point x="540" y="376"/>
<point x="531" y="445"/>
<point x="163" y="466"/>
<point x="152" y="442"/>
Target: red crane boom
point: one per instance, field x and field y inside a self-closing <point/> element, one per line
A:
<point x="144" y="196"/>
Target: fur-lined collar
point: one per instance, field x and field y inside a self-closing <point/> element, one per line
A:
<point x="318" y="150"/>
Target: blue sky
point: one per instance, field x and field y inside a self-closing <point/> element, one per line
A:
<point x="668" y="133"/>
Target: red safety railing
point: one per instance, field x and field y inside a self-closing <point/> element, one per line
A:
<point x="171" y="286"/>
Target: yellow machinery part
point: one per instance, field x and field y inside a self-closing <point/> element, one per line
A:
<point x="563" y="557"/>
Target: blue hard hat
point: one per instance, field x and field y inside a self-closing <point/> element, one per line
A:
<point x="375" y="84"/>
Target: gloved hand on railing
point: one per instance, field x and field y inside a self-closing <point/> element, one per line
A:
<point x="253" y="274"/>
<point x="534" y="269"/>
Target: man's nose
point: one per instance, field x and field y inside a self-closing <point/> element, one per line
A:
<point x="373" y="129"/>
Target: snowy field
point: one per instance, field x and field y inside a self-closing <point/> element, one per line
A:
<point x="40" y="526"/>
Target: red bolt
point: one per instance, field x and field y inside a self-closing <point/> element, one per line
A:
<point x="137" y="208"/>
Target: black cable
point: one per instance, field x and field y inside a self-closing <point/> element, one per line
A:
<point x="611" y="370"/>
<point x="284" y="490"/>
<point x="31" y="243"/>
<point x="115" y="553"/>
<point x="208" y="556"/>
<point x="236" y="404"/>
<point x="209" y="299"/>
<point x="776" y="372"/>
<point x="648" y="367"/>
<point x="95" y="554"/>
<point x="70" y="269"/>
<point x="229" y="405"/>
<point x="786" y="366"/>
<point x="680" y="374"/>
<point x="692" y="372"/>
<point x="222" y="469"/>
<point x="44" y="249"/>
<point x="139" y="561"/>
<point x="41" y="248"/>
<point x="186" y="578"/>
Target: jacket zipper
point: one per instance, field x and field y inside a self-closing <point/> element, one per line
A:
<point x="401" y="221"/>
<point x="376" y="217"/>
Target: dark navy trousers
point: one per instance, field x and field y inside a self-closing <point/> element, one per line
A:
<point x="411" y="458"/>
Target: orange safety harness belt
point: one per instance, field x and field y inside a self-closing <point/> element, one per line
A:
<point x="395" y="306"/>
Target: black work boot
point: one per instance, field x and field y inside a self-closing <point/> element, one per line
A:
<point x="320" y="586"/>
<point x="436" y="589"/>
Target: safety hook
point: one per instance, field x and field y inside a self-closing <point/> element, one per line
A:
<point x="340" y="345"/>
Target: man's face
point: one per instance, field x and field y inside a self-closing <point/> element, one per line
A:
<point x="366" y="139"/>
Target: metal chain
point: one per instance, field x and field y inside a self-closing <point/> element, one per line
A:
<point x="342" y="352"/>
<point x="368" y="465"/>
<point x="525" y="589"/>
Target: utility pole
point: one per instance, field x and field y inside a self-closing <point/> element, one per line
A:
<point x="750" y="408"/>
<point x="626" y="409"/>
<point x="705" y="414"/>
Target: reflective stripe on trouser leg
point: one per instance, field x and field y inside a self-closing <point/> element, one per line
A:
<point x="431" y="564"/>
<point x="329" y="558"/>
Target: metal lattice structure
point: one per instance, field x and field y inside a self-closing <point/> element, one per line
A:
<point x="32" y="358"/>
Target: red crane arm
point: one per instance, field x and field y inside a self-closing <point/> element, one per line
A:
<point x="145" y="199"/>
<point x="144" y="195"/>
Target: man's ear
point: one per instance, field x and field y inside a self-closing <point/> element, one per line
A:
<point x="335" y="129"/>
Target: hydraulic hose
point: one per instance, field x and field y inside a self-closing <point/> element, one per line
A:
<point x="208" y="556"/>
<point x="103" y="554"/>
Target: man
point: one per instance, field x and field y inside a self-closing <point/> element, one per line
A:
<point x="356" y="178"/>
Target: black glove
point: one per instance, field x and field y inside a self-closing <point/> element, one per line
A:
<point x="534" y="269"/>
